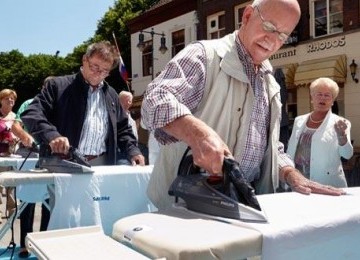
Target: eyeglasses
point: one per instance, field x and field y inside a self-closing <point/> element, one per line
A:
<point x="96" y="69"/>
<point x="326" y="96"/>
<point x="269" y="27"/>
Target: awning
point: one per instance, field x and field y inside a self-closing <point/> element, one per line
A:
<point x="334" y="67"/>
<point x="289" y="72"/>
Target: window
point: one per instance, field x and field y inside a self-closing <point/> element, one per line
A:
<point x="239" y="10"/>
<point x="147" y="59"/>
<point x="178" y="42"/>
<point x="216" y="25"/>
<point x="327" y="17"/>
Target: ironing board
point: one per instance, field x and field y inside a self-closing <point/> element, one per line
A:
<point x="111" y="192"/>
<point x="78" y="243"/>
<point x="300" y="227"/>
<point x="8" y="179"/>
<point x="177" y="234"/>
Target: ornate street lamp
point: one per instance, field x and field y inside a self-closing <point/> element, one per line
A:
<point x="162" y="49"/>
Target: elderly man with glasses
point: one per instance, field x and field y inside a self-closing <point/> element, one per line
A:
<point x="219" y="98"/>
<point x="83" y="111"/>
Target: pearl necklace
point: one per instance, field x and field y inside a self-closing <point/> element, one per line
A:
<point x="314" y="121"/>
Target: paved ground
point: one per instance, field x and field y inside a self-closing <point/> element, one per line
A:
<point x="4" y="241"/>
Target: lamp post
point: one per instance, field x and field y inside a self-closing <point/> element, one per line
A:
<point x="162" y="49"/>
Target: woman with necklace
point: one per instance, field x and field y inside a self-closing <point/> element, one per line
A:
<point x="319" y="139"/>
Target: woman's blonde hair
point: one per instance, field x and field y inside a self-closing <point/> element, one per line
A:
<point x="7" y="92"/>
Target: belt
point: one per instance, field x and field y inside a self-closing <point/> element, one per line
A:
<point x="92" y="157"/>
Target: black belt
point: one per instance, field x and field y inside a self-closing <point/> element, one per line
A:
<point x="92" y="157"/>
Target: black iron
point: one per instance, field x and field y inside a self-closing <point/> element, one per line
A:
<point x="229" y="196"/>
<point x="73" y="162"/>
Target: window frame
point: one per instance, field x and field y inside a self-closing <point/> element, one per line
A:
<point x="177" y="46"/>
<point x="216" y="31"/>
<point x="147" y="56"/>
<point x="238" y="17"/>
<point x="323" y="14"/>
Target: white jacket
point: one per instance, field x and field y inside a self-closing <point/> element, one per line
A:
<point x="326" y="153"/>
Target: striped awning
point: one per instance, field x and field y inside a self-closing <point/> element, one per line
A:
<point x="334" y="67"/>
<point x="289" y="73"/>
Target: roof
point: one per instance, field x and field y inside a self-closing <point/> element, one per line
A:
<point x="158" y="4"/>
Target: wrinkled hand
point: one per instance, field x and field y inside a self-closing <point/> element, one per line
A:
<point x="340" y="129"/>
<point x="207" y="147"/>
<point x="209" y="152"/>
<point x="299" y="183"/>
<point x="60" y="145"/>
<point x="138" y="160"/>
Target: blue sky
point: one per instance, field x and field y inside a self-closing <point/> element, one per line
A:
<point x="45" y="26"/>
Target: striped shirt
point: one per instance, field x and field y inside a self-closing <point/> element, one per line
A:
<point x="179" y="88"/>
<point x="255" y="144"/>
<point x="302" y="156"/>
<point x="96" y="123"/>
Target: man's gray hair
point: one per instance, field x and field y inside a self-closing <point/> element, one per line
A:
<point x="105" y="50"/>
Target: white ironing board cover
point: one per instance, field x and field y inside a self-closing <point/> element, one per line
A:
<point x="78" y="243"/>
<point x="178" y="235"/>
<point x="33" y="191"/>
<point x="100" y="198"/>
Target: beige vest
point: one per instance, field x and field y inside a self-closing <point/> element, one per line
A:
<point x="226" y="107"/>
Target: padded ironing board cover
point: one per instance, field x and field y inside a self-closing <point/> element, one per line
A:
<point x="183" y="237"/>
<point x="78" y="243"/>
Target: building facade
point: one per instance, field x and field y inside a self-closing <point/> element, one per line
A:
<point x="170" y="24"/>
<point x="324" y="44"/>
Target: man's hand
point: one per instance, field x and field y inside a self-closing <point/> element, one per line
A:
<point x="207" y="147"/>
<point x="299" y="183"/>
<point x="60" y="145"/>
<point x="138" y="160"/>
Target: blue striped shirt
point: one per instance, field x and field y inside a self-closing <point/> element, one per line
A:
<point x="96" y="124"/>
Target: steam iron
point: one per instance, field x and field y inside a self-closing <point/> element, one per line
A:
<point x="227" y="196"/>
<point x="74" y="162"/>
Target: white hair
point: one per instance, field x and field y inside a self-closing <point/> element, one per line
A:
<point x="331" y="84"/>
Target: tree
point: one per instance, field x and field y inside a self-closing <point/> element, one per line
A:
<point x="25" y="74"/>
<point x="114" y="21"/>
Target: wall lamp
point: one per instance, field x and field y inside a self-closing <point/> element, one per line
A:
<point x="353" y="67"/>
<point x="162" y="49"/>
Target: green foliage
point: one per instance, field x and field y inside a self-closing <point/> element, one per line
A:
<point x="25" y="74"/>
<point x="114" y="22"/>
